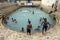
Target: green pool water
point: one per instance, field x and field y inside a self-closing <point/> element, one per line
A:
<point x="23" y="14"/>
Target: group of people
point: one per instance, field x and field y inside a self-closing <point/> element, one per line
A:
<point x="4" y="19"/>
<point x="14" y="20"/>
<point x="43" y="21"/>
<point x="54" y="7"/>
<point x="45" y="24"/>
<point x="7" y="18"/>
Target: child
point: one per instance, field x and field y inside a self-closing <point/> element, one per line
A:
<point x="38" y="28"/>
<point x="22" y="30"/>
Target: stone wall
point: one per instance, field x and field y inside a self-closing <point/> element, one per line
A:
<point x="8" y="9"/>
<point x="46" y="8"/>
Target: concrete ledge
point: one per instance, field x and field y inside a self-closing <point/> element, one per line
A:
<point x="7" y="10"/>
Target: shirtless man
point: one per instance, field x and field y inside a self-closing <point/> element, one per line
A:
<point x="29" y="26"/>
<point x="45" y="25"/>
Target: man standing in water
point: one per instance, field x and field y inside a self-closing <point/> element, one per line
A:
<point x="45" y="25"/>
<point x="33" y="12"/>
<point x="29" y="26"/>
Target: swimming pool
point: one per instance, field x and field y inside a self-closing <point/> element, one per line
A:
<point x="23" y="14"/>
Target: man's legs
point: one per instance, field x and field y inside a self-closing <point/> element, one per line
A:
<point x="46" y="28"/>
<point x="29" y="32"/>
<point x="43" y="30"/>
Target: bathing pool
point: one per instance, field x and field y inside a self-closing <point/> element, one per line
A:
<point x="23" y="14"/>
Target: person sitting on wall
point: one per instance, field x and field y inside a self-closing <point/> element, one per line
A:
<point x="52" y="5"/>
<point x="50" y="12"/>
<point x="54" y="18"/>
<point x="55" y="8"/>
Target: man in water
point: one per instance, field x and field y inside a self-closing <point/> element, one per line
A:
<point x="14" y="20"/>
<point x="38" y="28"/>
<point x="29" y="26"/>
<point x="33" y="12"/>
<point x="5" y="21"/>
<point x="7" y="18"/>
<point x="45" y="25"/>
<point x="42" y="19"/>
<point x="22" y="30"/>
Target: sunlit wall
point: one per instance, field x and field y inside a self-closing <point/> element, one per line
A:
<point x="48" y="2"/>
